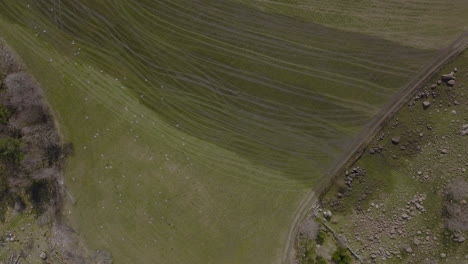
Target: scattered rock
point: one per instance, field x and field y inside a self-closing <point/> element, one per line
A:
<point x="447" y="77"/>
<point x="451" y="82"/>
<point x="444" y="151"/>
<point x="404" y="216"/>
<point x="426" y="104"/>
<point x="396" y="140"/>
<point x="409" y="249"/>
<point x="327" y="214"/>
<point x="464" y="130"/>
<point x="351" y="176"/>
<point x="443" y="255"/>
<point x="10" y="237"/>
<point x="43" y="255"/>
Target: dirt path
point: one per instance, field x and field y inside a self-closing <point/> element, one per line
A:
<point x="354" y="151"/>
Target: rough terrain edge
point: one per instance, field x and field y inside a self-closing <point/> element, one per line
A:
<point x="65" y="238"/>
<point x="354" y="151"/>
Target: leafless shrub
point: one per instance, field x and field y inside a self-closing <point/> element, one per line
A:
<point x="29" y="116"/>
<point x="46" y="173"/>
<point x="457" y="217"/>
<point x="66" y="240"/>
<point x="20" y="205"/>
<point x="456" y="209"/>
<point x="8" y="63"/>
<point x="457" y="190"/>
<point x="309" y="228"/>
<point x="21" y="90"/>
<point x="32" y="161"/>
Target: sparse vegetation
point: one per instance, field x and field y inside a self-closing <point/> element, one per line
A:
<point x="342" y="256"/>
<point x="5" y="114"/>
<point x="411" y="202"/>
<point x="41" y="192"/>
<point x="320" y="260"/>
<point x="321" y="237"/>
<point x="10" y="151"/>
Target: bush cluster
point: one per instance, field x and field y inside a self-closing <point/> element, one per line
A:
<point x="341" y="256"/>
<point x="10" y="151"/>
<point x="5" y="114"/>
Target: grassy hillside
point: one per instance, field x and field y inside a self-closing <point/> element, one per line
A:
<point x="423" y="24"/>
<point x="198" y="125"/>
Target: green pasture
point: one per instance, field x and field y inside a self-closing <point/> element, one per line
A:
<point x="429" y="24"/>
<point x="198" y="126"/>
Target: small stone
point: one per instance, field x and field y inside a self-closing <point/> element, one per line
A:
<point x="409" y="249"/>
<point x="444" y="151"/>
<point x="421" y="134"/>
<point x="451" y="82"/>
<point x="327" y="214"/>
<point x="396" y="140"/>
<point x="426" y="104"/>
<point x="404" y="216"/>
<point x="443" y="255"/>
<point x="433" y="86"/>
<point x="455" y="70"/>
<point x="43" y="255"/>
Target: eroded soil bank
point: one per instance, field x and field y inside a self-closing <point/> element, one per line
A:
<point x="405" y="199"/>
<point x="32" y="159"/>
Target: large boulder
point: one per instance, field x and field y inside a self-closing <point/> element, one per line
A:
<point x="447" y="77"/>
